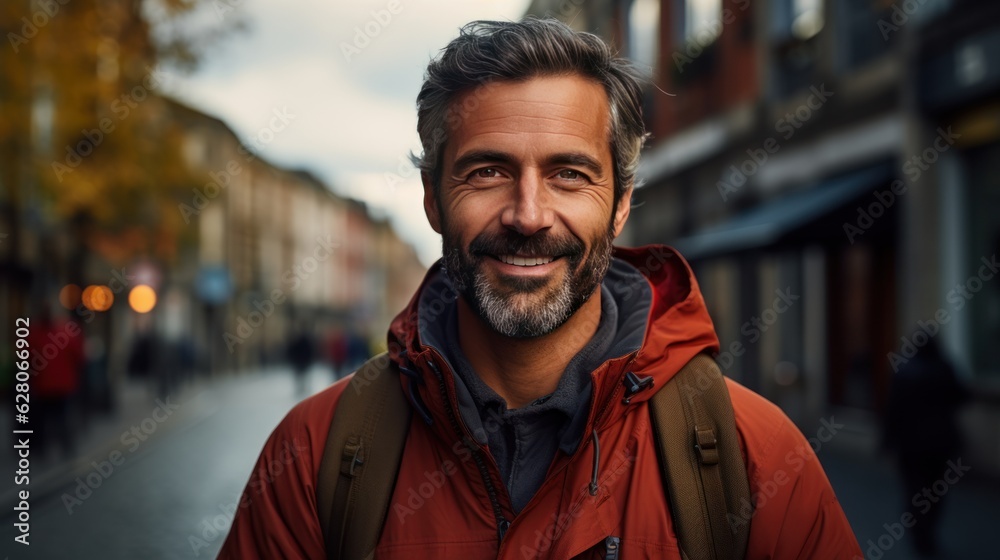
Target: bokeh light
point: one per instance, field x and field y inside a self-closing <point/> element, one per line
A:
<point x="98" y="298"/>
<point x="142" y="298"/>
<point x="69" y="296"/>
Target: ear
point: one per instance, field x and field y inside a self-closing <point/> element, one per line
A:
<point x="431" y="207"/>
<point x="623" y="210"/>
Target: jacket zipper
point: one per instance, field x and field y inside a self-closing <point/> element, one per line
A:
<point x="614" y="394"/>
<point x="502" y="523"/>
<point x="611" y="546"/>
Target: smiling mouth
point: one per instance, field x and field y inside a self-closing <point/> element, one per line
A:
<point x="529" y="261"/>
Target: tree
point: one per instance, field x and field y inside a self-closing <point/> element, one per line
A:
<point x="85" y="138"/>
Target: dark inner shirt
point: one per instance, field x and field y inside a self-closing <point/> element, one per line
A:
<point x="524" y="441"/>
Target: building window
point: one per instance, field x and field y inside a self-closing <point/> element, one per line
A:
<point x="861" y="35"/>
<point x="794" y="24"/>
<point x="698" y="21"/>
<point x="644" y="33"/>
<point x="796" y="19"/>
<point x="983" y="247"/>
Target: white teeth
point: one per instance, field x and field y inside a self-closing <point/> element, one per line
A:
<point x="525" y="261"/>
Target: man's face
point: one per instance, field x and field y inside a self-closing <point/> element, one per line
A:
<point x="526" y="205"/>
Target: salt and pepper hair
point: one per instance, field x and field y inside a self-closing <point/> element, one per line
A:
<point x="487" y="52"/>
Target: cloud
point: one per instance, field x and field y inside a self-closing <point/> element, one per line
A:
<point x="355" y="119"/>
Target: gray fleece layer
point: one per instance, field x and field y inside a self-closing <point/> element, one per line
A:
<point x="524" y="441"/>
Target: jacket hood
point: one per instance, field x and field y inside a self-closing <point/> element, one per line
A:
<point x="654" y="283"/>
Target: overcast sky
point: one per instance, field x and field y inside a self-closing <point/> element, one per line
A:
<point x="353" y="103"/>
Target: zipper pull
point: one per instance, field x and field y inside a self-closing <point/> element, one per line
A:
<point x="502" y="527"/>
<point x="611" y="548"/>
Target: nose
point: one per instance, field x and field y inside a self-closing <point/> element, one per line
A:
<point x="529" y="209"/>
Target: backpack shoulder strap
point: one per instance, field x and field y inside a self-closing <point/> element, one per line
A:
<point x="361" y="460"/>
<point x="701" y="463"/>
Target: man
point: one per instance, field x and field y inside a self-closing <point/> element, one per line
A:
<point x="517" y="343"/>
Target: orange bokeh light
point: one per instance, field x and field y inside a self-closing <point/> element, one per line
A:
<point x="98" y="298"/>
<point x="69" y="296"/>
<point x="142" y="298"/>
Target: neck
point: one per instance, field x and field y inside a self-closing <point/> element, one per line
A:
<point x="522" y="370"/>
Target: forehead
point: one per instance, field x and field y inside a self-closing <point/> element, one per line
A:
<point x="543" y="113"/>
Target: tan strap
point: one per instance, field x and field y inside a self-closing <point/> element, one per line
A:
<point x="700" y="459"/>
<point x="361" y="460"/>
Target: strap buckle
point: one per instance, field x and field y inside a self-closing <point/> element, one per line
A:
<point x="706" y="444"/>
<point x="353" y="456"/>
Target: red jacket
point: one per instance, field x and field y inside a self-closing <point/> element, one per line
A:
<point x="56" y="357"/>
<point x="441" y="508"/>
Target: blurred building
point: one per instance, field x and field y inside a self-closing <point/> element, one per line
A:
<point x="842" y="154"/>
<point x="260" y="253"/>
<point x="278" y="251"/>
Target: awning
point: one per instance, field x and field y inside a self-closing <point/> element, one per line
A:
<point x="778" y="220"/>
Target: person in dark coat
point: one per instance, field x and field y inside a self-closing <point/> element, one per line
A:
<point x="301" y="356"/>
<point x="921" y="429"/>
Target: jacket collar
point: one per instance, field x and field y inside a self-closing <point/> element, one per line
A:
<point x="667" y="318"/>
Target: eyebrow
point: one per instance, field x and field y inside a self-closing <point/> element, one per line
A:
<point x="577" y="159"/>
<point x="476" y="157"/>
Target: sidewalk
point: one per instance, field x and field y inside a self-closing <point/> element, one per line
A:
<point x="103" y="434"/>
<point x="871" y="494"/>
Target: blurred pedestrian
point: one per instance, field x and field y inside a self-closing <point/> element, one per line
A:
<point x="140" y="361"/>
<point x="357" y="349"/>
<point x="95" y="387"/>
<point x="301" y="356"/>
<point x="336" y="351"/>
<point x="921" y="430"/>
<point x="57" y="358"/>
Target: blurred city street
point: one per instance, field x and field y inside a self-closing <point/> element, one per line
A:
<point x="208" y="206"/>
<point x="163" y="497"/>
<point x="173" y="497"/>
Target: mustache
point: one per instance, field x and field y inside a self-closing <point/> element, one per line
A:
<point x="513" y="243"/>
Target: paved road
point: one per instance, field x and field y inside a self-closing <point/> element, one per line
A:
<point x="872" y="498"/>
<point x="168" y="489"/>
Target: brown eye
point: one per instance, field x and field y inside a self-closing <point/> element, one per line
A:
<point x="569" y="174"/>
<point x="487" y="172"/>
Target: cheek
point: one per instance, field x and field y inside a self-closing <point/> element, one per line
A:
<point x="587" y="219"/>
<point x="471" y="215"/>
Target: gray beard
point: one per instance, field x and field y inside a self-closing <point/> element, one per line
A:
<point x="523" y="312"/>
<point x="524" y="319"/>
